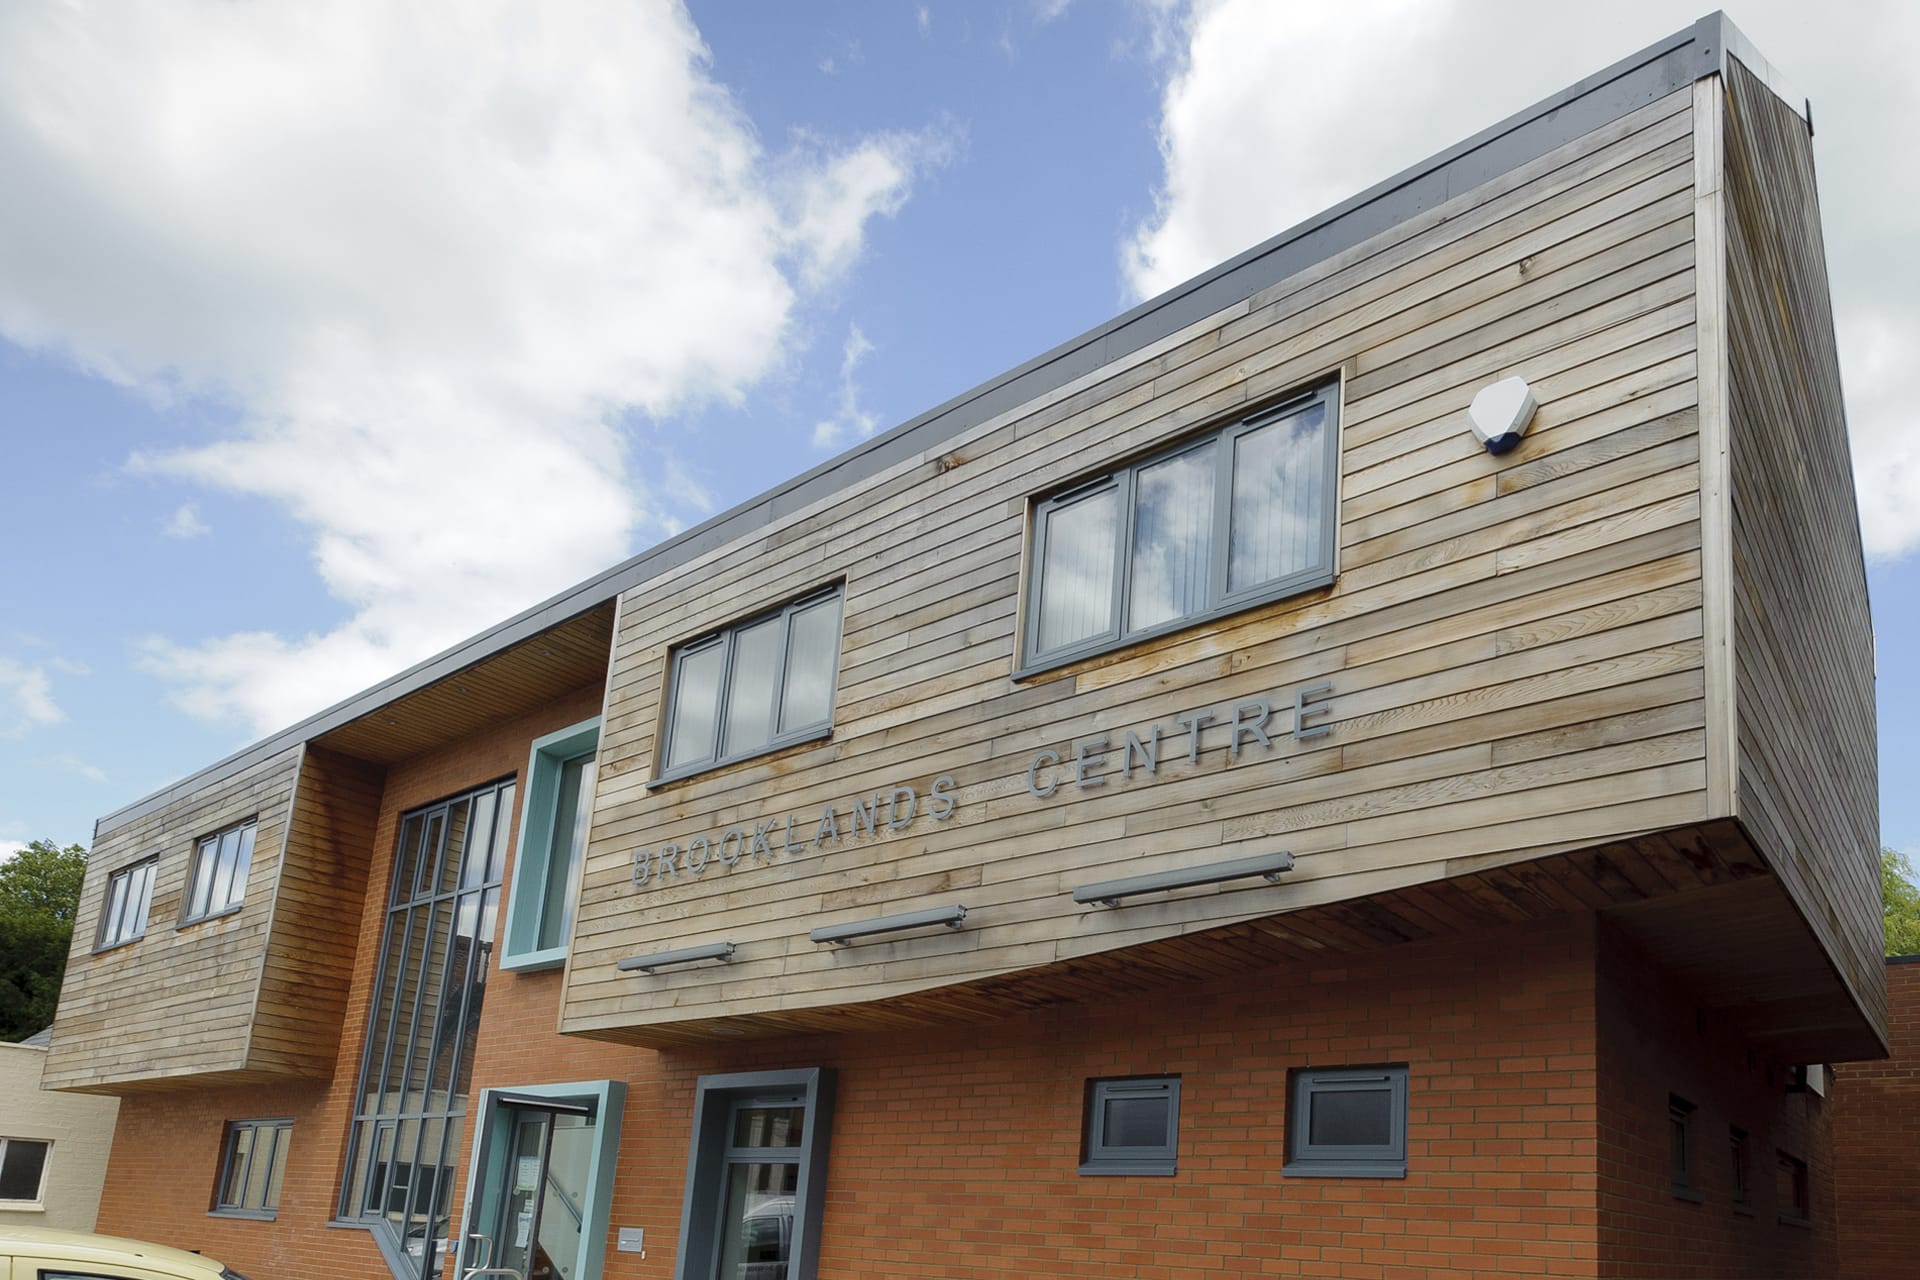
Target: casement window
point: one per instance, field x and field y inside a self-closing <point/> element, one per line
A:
<point x="1132" y="1127"/>
<point x="764" y="683"/>
<point x="1790" y="1190"/>
<point x="123" y="918"/>
<point x="219" y="881"/>
<point x="1236" y="517"/>
<point x="1680" y="1169"/>
<point x="253" y="1164"/>
<point x="756" y="1175"/>
<point x="23" y="1172"/>
<point x="553" y="843"/>
<point x="1348" y="1122"/>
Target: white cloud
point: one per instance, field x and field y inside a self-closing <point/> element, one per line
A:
<point x="10" y="847"/>
<point x="73" y="764"/>
<point x="850" y="422"/>
<point x="438" y="256"/>
<point x="1273" y="112"/>
<point x="26" y="699"/>
<point x="186" y="523"/>
<point x="923" y="17"/>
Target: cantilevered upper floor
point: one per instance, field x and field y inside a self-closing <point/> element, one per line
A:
<point x="1212" y="633"/>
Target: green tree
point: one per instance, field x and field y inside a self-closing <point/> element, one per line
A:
<point x="1899" y="904"/>
<point x="39" y="891"/>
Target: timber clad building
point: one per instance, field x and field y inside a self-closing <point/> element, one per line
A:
<point x="1182" y="808"/>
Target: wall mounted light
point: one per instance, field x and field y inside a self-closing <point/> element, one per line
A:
<point x="1108" y="893"/>
<point x="1501" y="412"/>
<point x="842" y="934"/>
<point x="685" y="955"/>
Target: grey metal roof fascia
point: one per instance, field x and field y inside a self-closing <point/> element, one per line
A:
<point x="1597" y="100"/>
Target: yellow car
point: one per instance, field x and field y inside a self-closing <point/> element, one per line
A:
<point x="40" y="1253"/>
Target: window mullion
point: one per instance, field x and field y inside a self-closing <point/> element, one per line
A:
<point x="721" y="748"/>
<point x="1222" y="555"/>
<point x="1123" y="557"/>
<point x="774" y="725"/>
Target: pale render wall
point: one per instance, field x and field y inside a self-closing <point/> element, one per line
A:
<point x="80" y="1128"/>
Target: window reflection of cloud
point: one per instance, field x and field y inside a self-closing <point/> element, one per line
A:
<point x="1172" y="539"/>
<point x="1076" y="598"/>
<point x="1278" y="480"/>
<point x="696" y="702"/>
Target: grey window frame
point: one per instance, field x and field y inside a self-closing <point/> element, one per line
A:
<point x="1797" y="1212"/>
<point x="710" y="1152"/>
<point x="423" y="1022"/>
<point x="46" y="1164"/>
<point x="282" y="1129"/>
<point x="200" y="852"/>
<point x="1099" y="1159"/>
<point x="1740" y="1153"/>
<point x="103" y="941"/>
<point x="1221" y="602"/>
<point x="724" y="636"/>
<point x="1310" y="1160"/>
<point x="1680" y="1163"/>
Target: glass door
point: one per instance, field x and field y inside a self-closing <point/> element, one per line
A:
<point x="529" y="1214"/>
<point x="758" y="1194"/>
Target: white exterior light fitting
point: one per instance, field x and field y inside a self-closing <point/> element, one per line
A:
<point x="1500" y="413"/>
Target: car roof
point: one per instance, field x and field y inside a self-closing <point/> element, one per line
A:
<point x="84" y="1246"/>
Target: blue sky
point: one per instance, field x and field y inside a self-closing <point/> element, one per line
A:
<point x="331" y="334"/>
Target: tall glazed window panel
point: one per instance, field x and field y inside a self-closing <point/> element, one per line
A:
<point x="1239" y="516"/>
<point x="448" y="864"/>
<point x="123" y="916"/>
<point x="761" y="684"/>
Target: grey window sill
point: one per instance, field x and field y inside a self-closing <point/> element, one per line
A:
<point x="221" y="914"/>
<point x="1130" y="1169"/>
<point x="1344" y="1169"/>
<point x="246" y="1215"/>
<point x="1689" y="1195"/>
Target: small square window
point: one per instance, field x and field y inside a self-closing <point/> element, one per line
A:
<point x="753" y="687"/>
<point x="253" y="1164"/>
<point x="1349" y="1122"/>
<point x="1132" y="1127"/>
<point x="1790" y="1189"/>
<point x="23" y="1170"/>
<point x="129" y="893"/>
<point x="1680" y="1147"/>
<point x="220" y="864"/>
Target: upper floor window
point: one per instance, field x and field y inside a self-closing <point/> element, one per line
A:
<point x="1233" y="518"/>
<point x="759" y="684"/>
<point x="220" y="863"/>
<point x="129" y="894"/>
<point x="553" y="843"/>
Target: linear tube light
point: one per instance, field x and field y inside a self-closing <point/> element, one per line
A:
<point x="1108" y="893"/>
<point x="685" y="955"/>
<point x="842" y="934"/>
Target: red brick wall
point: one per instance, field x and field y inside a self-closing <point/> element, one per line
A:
<point x="1654" y="1044"/>
<point x="1877" y="1140"/>
<point x="955" y="1150"/>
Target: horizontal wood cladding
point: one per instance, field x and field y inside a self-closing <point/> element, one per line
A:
<point x="311" y="949"/>
<point x="1802" y="634"/>
<point x="178" y="1002"/>
<point x="1514" y="644"/>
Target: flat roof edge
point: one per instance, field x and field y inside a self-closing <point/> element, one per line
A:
<point x="1634" y="81"/>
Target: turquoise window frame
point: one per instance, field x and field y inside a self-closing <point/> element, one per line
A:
<point x="609" y="1098"/>
<point x="532" y="860"/>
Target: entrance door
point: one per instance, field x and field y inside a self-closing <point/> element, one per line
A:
<point x="532" y="1201"/>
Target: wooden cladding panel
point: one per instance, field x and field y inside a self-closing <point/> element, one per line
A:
<point x="311" y="949"/>
<point x="1514" y="643"/>
<point x="179" y="1001"/>
<point x="1802" y="635"/>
